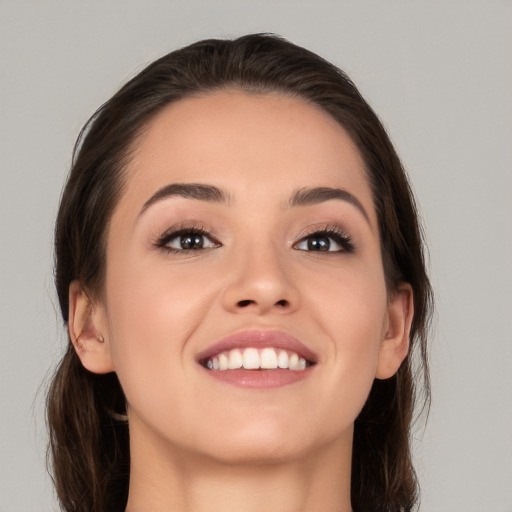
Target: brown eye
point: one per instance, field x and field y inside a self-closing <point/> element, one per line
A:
<point x="191" y="241"/>
<point x="326" y="241"/>
<point x="319" y="243"/>
<point x="186" y="240"/>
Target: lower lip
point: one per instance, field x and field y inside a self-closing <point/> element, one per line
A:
<point x="260" y="379"/>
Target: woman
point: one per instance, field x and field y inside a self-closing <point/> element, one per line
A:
<point x="240" y="269"/>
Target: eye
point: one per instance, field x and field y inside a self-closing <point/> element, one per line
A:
<point x="186" y="240"/>
<point x="327" y="240"/>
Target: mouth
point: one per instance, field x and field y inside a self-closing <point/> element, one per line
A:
<point x="258" y="359"/>
<point x="252" y="358"/>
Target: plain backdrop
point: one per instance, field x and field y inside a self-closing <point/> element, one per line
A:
<point x="439" y="73"/>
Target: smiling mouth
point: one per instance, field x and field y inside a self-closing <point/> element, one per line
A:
<point x="251" y="358"/>
<point x="258" y="359"/>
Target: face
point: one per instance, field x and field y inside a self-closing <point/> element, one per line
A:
<point x="245" y="235"/>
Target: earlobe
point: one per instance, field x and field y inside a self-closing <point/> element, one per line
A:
<point x="87" y="329"/>
<point x="395" y="343"/>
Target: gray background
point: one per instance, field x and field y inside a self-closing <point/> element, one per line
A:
<point x="440" y="76"/>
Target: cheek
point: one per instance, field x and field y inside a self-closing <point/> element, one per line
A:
<point x="153" y="298"/>
<point x="351" y="303"/>
<point x="152" y="311"/>
<point x="351" y="311"/>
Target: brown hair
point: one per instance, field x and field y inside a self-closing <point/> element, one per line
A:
<point x="89" y="444"/>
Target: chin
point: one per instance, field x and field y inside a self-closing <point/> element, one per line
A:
<point x="257" y="452"/>
<point x="268" y="442"/>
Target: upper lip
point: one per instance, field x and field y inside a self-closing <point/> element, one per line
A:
<point x="259" y="339"/>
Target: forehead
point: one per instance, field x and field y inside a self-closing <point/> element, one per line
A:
<point x="254" y="143"/>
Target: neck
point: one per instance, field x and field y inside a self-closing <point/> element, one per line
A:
<point x="164" y="479"/>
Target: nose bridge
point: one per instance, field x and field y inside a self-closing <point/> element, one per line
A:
<point x="260" y="278"/>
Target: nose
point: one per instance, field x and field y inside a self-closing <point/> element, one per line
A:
<point x="260" y="282"/>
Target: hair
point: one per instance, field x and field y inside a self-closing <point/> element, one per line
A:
<point x="89" y="442"/>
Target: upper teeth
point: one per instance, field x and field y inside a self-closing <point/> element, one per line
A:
<point x="254" y="359"/>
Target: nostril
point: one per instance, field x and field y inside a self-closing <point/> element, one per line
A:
<point x="249" y="302"/>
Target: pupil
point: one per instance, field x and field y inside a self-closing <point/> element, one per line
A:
<point x="320" y="243"/>
<point x="191" y="241"/>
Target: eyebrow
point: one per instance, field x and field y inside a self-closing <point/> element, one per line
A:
<point x="198" y="191"/>
<point x="213" y="194"/>
<point x="311" y="196"/>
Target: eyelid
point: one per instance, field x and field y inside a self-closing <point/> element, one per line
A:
<point x="334" y="231"/>
<point x="183" y="228"/>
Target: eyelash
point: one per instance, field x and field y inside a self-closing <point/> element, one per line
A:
<point x="334" y="233"/>
<point x="163" y="241"/>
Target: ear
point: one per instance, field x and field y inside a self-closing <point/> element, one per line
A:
<point x="87" y="327"/>
<point x="395" y="342"/>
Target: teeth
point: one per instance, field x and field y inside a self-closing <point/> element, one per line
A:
<point x="282" y="359"/>
<point x="255" y="359"/>
<point x="235" y="359"/>
<point x="251" y="359"/>
<point x="268" y="358"/>
<point x="223" y="362"/>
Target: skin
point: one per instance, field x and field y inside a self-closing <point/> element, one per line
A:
<point x="198" y="444"/>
